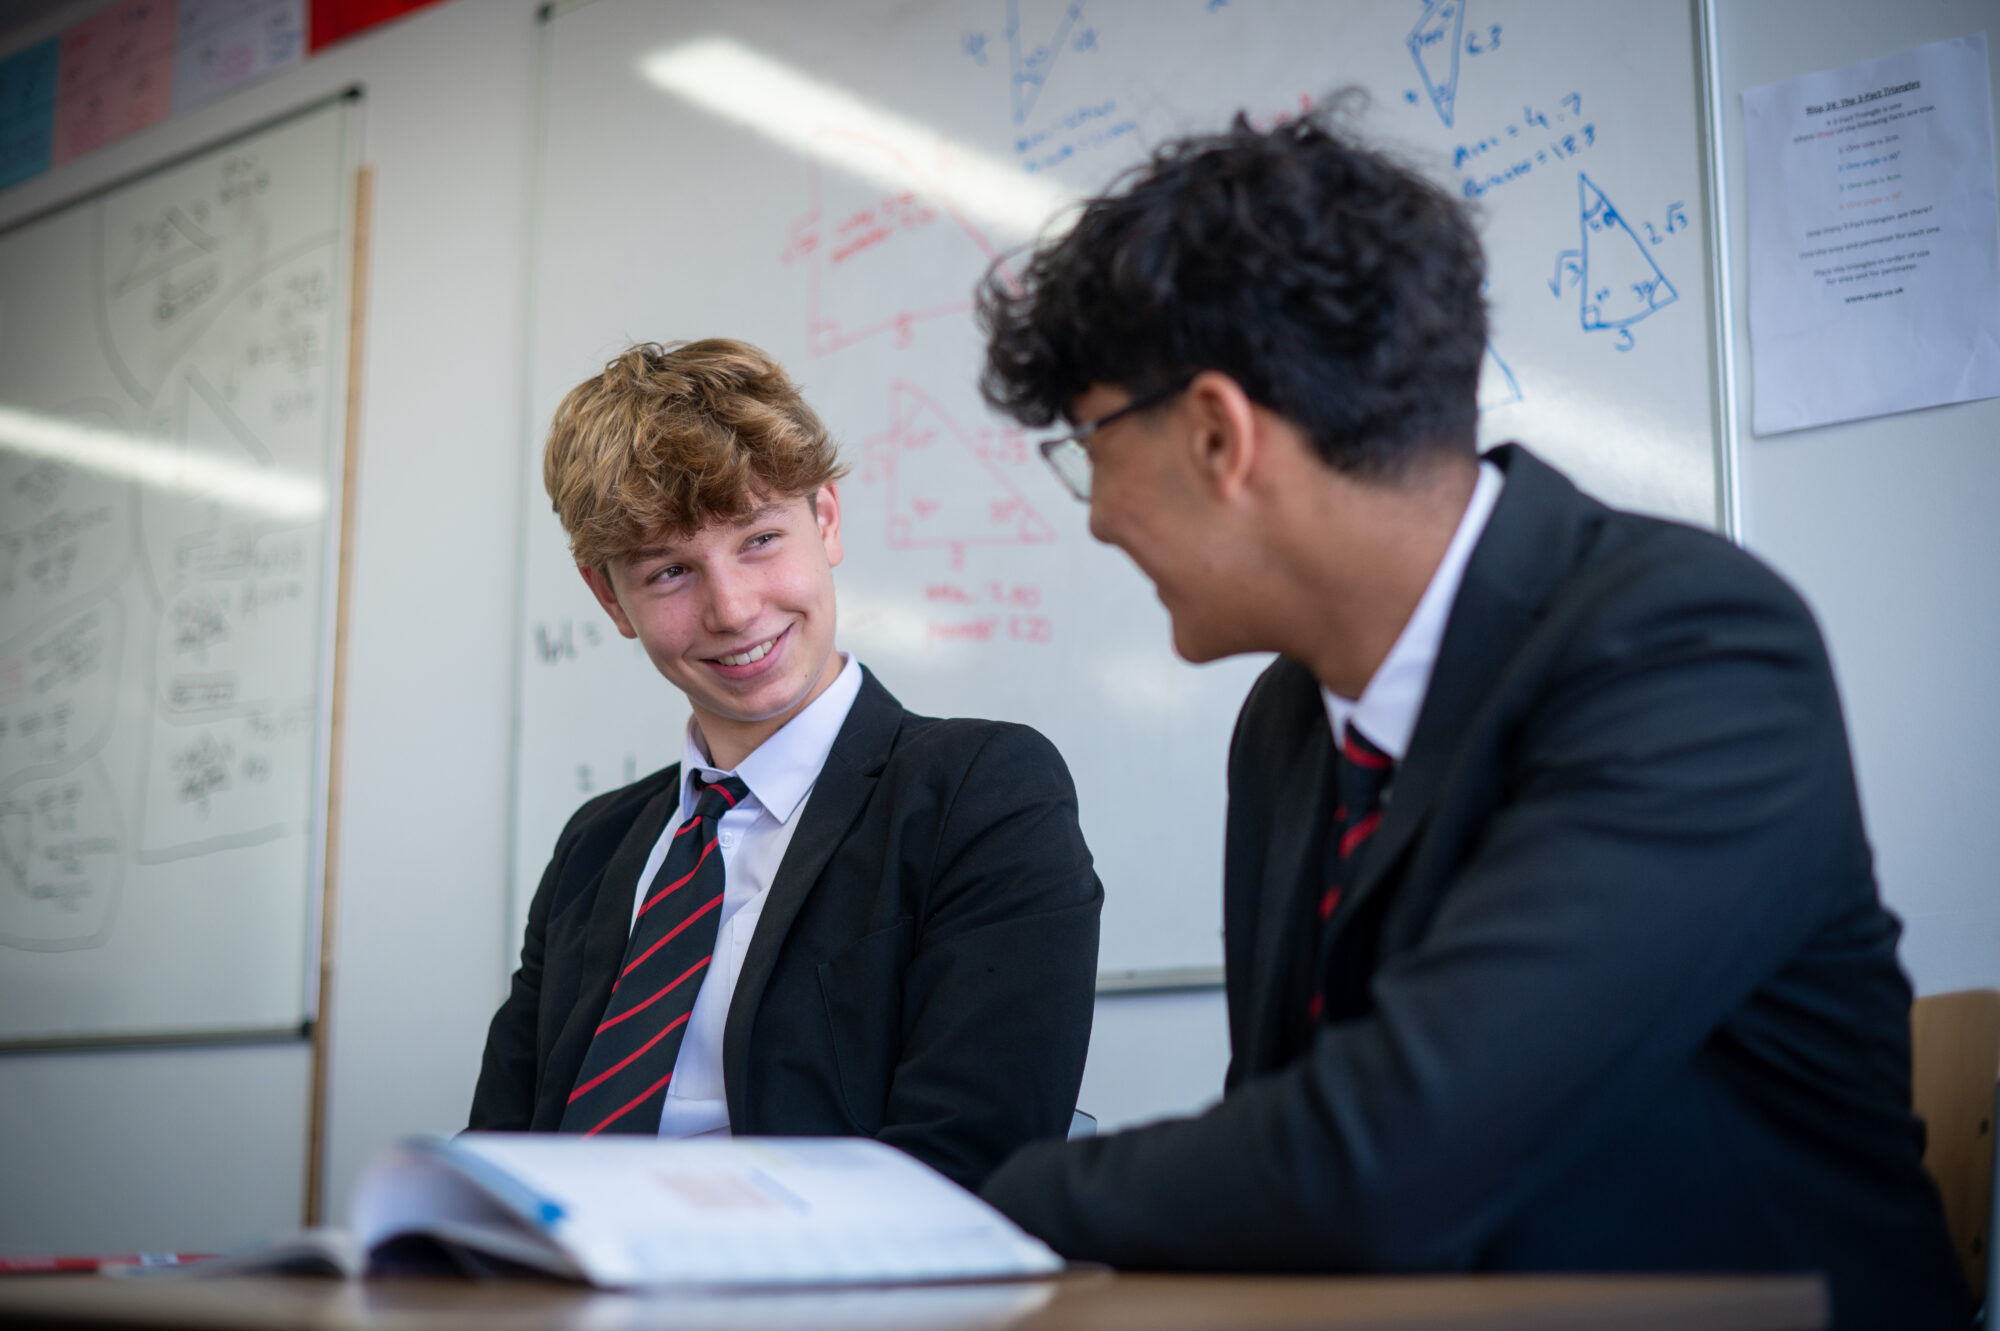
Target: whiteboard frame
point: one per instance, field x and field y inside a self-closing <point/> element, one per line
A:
<point x="1722" y="335"/>
<point x="348" y="101"/>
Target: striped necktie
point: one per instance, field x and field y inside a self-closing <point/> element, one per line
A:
<point x="1365" y="772"/>
<point x="623" y="1084"/>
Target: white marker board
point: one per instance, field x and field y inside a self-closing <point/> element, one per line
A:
<point x="830" y="181"/>
<point x="170" y="444"/>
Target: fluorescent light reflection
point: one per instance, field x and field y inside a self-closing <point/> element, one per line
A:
<point x="162" y="465"/>
<point x="817" y="119"/>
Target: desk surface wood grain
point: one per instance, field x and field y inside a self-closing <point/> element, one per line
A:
<point x="1088" y="1301"/>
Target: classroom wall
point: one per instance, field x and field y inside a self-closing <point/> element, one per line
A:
<point x="1888" y="526"/>
<point x="1884" y="524"/>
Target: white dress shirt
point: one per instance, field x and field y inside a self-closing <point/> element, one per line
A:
<point x="1388" y="708"/>
<point x="752" y="838"/>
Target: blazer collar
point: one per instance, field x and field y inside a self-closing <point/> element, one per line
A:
<point x="859" y="753"/>
<point x="1515" y="570"/>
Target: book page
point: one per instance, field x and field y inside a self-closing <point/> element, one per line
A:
<point x="760" y="1211"/>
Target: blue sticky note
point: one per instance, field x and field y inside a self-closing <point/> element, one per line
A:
<point x="27" y="111"/>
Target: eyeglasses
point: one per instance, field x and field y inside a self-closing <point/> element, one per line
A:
<point x="1070" y="460"/>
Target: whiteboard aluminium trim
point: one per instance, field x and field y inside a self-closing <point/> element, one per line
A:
<point x="68" y="1044"/>
<point x="1160" y="980"/>
<point x="1729" y="494"/>
<point x="353" y="92"/>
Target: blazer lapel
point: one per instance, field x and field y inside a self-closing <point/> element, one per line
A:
<point x="1513" y="572"/>
<point x="839" y="794"/>
<point x="606" y="932"/>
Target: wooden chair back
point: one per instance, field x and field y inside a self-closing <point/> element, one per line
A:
<point x="1955" y="1057"/>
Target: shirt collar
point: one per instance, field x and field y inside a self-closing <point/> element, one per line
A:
<point x="1388" y="708"/>
<point x="781" y="771"/>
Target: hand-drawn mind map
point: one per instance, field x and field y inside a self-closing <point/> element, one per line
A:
<point x="160" y="628"/>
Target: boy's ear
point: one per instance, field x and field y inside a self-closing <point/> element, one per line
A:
<point x="1225" y="440"/>
<point x="598" y="579"/>
<point x="826" y="511"/>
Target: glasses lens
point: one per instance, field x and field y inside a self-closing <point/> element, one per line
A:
<point x="1072" y="463"/>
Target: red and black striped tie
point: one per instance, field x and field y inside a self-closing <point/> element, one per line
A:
<point x="623" y="1084"/>
<point x="1364" y="775"/>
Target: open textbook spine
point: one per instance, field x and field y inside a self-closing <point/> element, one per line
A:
<point x="641" y="1211"/>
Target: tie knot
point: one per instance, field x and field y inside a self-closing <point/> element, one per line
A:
<point x="715" y="798"/>
<point x="1362" y="751"/>
<point x="1364" y="772"/>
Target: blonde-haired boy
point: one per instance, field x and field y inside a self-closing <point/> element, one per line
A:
<point x="832" y="917"/>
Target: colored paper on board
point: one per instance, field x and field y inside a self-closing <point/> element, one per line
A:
<point x="116" y="76"/>
<point x="220" y="45"/>
<point x="27" y="111"/>
<point x="337" y="20"/>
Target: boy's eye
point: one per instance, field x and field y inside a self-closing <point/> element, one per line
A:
<point x="669" y="573"/>
<point x="764" y="539"/>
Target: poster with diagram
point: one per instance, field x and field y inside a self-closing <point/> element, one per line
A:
<point x="170" y="445"/>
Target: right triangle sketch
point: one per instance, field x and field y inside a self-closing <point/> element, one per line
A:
<point x="1621" y="283"/>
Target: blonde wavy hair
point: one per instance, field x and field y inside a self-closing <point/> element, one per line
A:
<point x="671" y="438"/>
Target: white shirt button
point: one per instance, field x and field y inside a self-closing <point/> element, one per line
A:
<point x="727" y="839"/>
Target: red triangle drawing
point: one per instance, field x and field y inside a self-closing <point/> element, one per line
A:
<point x="947" y="490"/>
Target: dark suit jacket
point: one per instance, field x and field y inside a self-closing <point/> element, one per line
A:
<point x="1614" y="989"/>
<point x="923" y="971"/>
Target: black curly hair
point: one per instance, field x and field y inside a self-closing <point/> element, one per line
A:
<point x="1340" y="289"/>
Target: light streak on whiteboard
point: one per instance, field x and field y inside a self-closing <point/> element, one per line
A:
<point x="162" y="465"/>
<point x="794" y="109"/>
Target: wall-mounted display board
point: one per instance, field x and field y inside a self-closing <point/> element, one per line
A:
<point x="829" y="181"/>
<point x="171" y="360"/>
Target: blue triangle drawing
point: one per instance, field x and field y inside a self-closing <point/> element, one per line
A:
<point x="1434" y="44"/>
<point x="1030" y="69"/>
<point x="1621" y="283"/>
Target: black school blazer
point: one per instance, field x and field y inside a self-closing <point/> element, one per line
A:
<point x="923" y="971"/>
<point x="1613" y="991"/>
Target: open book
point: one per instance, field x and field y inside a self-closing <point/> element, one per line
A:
<point x="634" y="1211"/>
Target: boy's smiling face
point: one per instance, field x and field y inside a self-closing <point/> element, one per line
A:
<point x="739" y="615"/>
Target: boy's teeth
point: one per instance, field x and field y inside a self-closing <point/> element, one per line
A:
<point x="745" y="658"/>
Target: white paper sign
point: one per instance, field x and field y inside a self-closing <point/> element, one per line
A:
<point x="1874" y="238"/>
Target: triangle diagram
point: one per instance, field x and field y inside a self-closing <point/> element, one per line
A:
<point x="880" y="247"/>
<point x="945" y="489"/>
<point x="1621" y="283"/>
<point x="1030" y="65"/>
<point x="1434" y="45"/>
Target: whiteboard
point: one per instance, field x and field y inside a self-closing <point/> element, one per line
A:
<point x="830" y="181"/>
<point x="170" y="445"/>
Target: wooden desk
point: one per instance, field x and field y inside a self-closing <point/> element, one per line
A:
<point x="1082" y="1302"/>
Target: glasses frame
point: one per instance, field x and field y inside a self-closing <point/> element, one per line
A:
<point x="1067" y="455"/>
